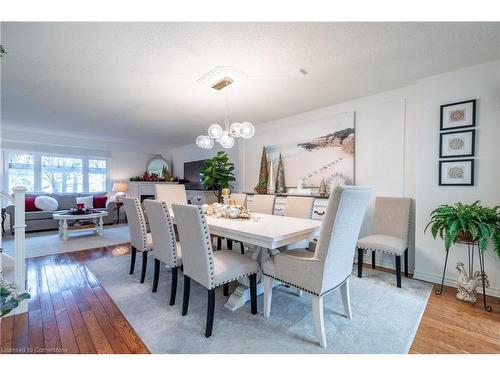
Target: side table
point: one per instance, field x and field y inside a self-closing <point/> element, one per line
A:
<point x="4" y="216"/>
<point x="118" y="206"/>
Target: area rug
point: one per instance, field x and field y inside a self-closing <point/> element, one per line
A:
<point x="385" y="318"/>
<point x="49" y="243"/>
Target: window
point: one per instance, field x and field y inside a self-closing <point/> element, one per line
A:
<point x="56" y="173"/>
<point x="21" y="171"/>
<point x="97" y="175"/>
<point x="62" y="175"/>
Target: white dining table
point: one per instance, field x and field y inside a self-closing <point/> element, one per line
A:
<point x="262" y="234"/>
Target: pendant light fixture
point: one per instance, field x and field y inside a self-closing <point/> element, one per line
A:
<point x="225" y="135"/>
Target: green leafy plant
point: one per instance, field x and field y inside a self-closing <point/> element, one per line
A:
<point x="217" y="173"/>
<point x="466" y="222"/>
<point x="261" y="187"/>
<point x="9" y="300"/>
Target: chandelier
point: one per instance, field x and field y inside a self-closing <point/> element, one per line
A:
<point x="225" y="135"/>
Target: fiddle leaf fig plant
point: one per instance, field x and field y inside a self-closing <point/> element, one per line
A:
<point x="217" y="173"/>
<point x="471" y="222"/>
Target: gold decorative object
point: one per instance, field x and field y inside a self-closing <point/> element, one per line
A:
<point x="261" y="187"/>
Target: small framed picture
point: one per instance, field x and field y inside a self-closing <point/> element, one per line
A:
<point x="460" y="143"/>
<point x="458" y="115"/>
<point x="456" y="172"/>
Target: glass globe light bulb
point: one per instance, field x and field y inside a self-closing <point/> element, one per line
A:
<point x="215" y="131"/>
<point x="226" y="140"/>
<point x="235" y="129"/>
<point x="204" y="141"/>
<point x="247" y="130"/>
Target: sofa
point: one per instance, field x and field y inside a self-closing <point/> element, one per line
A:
<point x="42" y="220"/>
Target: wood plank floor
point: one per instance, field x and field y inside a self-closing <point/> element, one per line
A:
<point x="70" y="312"/>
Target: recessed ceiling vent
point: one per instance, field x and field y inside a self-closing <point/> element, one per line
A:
<point x="224" y="82"/>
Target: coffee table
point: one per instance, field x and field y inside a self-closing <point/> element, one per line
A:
<point x="96" y="224"/>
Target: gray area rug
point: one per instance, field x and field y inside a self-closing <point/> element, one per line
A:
<point x="385" y="318"/>
<point x="49" y="243"/>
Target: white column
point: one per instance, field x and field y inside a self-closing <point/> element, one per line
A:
<point x="20" y="244"/>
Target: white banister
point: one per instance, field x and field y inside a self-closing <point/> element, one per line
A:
<point x="19" y="239"/>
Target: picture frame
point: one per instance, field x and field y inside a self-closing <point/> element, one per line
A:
<point x="458" y="115"/>
<point x="456" y="172"/>
<point x="457" y="144"/>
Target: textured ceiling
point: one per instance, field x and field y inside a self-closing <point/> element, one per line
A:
<point x="137" y="82"/>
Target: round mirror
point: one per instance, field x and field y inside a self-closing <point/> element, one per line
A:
<point x="158" y="165"/>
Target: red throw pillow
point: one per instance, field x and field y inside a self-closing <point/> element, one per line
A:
<point x="99" y="201"/>
<point x="29" y="203"/>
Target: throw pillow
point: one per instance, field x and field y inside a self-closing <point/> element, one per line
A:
<point x="88" y="202"/>
<point x="99" y="201"/>
<point x="46" y="203"/>
<point x="29" y="203"/>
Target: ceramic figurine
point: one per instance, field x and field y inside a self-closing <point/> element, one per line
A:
<point x="467" y="287"/>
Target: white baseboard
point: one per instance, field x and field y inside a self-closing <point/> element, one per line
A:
<point x="436" y="279"/>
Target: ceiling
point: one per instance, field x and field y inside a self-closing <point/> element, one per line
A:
<point x="137" y="82"/>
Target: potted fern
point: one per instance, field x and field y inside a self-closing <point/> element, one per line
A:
<point x="217" y="173"/>
<point x="468" y="223"/>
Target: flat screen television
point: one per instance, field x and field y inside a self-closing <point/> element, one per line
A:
<point x="192" y="175"/>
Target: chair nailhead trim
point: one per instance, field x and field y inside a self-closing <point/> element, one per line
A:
<point x="233" y="279"/>
<point x="381" y="251"/>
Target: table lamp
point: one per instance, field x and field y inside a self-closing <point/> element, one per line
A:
<point x="120" y="189"/>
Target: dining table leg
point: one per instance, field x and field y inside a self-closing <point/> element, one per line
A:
<point x="241" y="294"/>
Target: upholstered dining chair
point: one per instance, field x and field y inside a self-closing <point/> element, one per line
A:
<point x="329" y="267"/>
<point x="262" y="203"/>
<point x="167" y="250"/>
<point x="389" y="235"/>
<point x="171" y="193"/>
<point x="299" y="207"/>
<point x="140" y="239"/>
<point x="203" y="265"/>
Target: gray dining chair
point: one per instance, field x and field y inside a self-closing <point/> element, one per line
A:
<point x="140" y="239"/>
<point x="329" y="267"/>
<point x="301" y="207"/>
<point x="203" y="265"/>
<point x="167" y="249"/>
<point x="171" y="193"/>
<point x="389" y="235"/>
<point x="262" y="203"/>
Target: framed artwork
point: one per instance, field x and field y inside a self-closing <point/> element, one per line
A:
<point x="323" y="154"/>
<point x="459" y="143"/>
<point x="458" y="115"/>
<point x="456" y="172"/>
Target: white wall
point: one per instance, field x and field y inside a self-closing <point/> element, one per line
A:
<point x="183" y="154"/>
<point x="481" y="82"/>
<point x="385" y="151"/>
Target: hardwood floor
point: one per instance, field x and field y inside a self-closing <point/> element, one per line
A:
<point x="70" y="312"/>
<point x="452" y="326"/>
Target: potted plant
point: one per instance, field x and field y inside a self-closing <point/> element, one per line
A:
<point x="10" y="298"/>
<point x="261" y="187"/>
<point x="217" y="173"/>
<point x="467" y="223"/>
